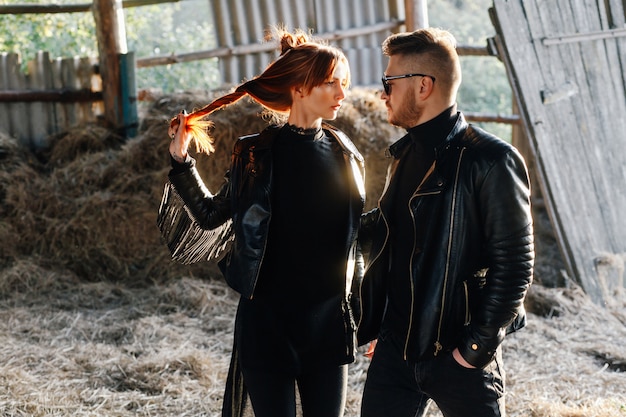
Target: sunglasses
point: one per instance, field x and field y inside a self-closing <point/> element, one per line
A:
<point x="387" y="86"/>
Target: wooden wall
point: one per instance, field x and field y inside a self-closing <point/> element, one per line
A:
<point x="566" y="61"/>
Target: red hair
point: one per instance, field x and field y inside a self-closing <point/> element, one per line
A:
<point x="303" y="63"/>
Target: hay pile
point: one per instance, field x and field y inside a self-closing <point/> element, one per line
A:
<point x="95" y="320"/>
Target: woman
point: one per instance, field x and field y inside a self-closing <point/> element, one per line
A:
<point x="294" y="194"/>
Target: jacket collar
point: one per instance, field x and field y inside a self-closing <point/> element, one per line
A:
<point x="343" y="140"/>
<point x="398" y="148"/>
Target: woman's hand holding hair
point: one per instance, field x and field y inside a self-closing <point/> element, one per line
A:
<point x="180" y="137"/>
<point x="188" y="127"/>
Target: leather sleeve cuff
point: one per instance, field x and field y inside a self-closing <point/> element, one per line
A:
<point x="178" y="167"/>
<point x="480" y="345"/>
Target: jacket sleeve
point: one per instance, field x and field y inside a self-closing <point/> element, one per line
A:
<point x="195" y="224"/>
<point x="208" y="211"/>
<point x="504" y="198"/>
<point x="367" y="228"/>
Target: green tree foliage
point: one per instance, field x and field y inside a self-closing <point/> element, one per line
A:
<point x="150" y="31"/>
<point x="485" y="87"/>
<point x="173" y="29"/>
<point x="59" y="34"/>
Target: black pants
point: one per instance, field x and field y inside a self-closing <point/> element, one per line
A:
<point x="395" y="387"/>
<point x="322" y="392"/>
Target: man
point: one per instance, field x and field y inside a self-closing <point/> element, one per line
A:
<point x="451" y="246"/>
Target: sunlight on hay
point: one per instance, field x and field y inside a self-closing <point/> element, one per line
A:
<point x="80" y="141"/>
<point x="592" y="408"/>
<point x="152" y="352"/>
<point x="96" y="320"/>
<point x="554" y="366"/>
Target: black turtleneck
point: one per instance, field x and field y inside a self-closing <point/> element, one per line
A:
<point x="294" y="321"/>
<point x="413" y="165"/>
<point x="305" y="257"/>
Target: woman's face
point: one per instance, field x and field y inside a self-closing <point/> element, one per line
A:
<point x="324" y="101"/>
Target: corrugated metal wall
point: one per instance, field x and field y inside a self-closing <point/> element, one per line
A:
<point x="358" y="27"/>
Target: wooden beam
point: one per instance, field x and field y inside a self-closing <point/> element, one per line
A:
<point x="471" y="50"/>
<point x="580" y="37"/>
<point x="70" y="8"/>
<point x="416" y="12"/>
<point x="259" y="47"/>
<point x="57" y="96"/>
<point x="463" y="50"/>
<point x="512" y="119"/>
<point x="111" y="43"/>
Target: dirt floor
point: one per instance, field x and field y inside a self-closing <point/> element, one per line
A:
<point x="95" y="319"/>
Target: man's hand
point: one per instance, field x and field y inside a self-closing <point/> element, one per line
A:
<point x="460" y="360"/>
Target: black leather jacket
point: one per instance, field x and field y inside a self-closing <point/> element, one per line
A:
<point x="245" y="197"/>
<point x="472" y="218"/>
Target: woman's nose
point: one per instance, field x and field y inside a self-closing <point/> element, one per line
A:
<point x="342" y="92"/>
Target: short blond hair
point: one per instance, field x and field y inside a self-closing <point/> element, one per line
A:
<point x="434" y="49"/>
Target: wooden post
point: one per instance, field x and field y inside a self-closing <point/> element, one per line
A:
<point x="111" y="34"/>
<point x="416" y="14"/>
<point x="129" y="94"/>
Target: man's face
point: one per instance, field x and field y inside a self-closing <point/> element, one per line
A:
<point x="403" y="108"/>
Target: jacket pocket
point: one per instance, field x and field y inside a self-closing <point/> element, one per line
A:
<point x="462" y="312"/>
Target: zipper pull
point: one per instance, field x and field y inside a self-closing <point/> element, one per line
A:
<point x="438" y="348"/>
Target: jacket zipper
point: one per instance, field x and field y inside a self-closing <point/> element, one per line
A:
<point x="411" y="281"/>
<point x="438" y="345"/>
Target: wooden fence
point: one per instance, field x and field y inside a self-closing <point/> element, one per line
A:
<point x="51" y="97"/>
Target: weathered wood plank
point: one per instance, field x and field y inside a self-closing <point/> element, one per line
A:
<point x="5" y="119"/>
<point x="14" y="79"/>
<point x="616" y="13"/>
<point x="53" y="96"/>
<point x="65" y="75"/>
<point x="41" y="113"/>
<point x="572" y="102"/>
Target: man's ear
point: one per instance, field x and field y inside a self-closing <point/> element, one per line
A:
<point x="426" y="87"/>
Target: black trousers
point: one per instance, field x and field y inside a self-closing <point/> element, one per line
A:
<point x="322" y="392"/>
<point x="395" y="387"/>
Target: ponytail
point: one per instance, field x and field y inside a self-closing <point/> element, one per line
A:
<point x="302" y="63"/>
<point x="198" y="128"/>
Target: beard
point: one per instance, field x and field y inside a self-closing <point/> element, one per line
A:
<point x="408" y="113"/>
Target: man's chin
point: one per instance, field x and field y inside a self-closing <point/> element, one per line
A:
<point x="392" y="121"/>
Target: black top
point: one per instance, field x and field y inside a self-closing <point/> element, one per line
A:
<point x="295" y="320"/>
<point x="412" y="168"/>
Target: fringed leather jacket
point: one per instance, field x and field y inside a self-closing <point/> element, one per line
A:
<point x="245" y="198"/>
<point x="473" y="223"/>
<point x="199" y="226"/>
